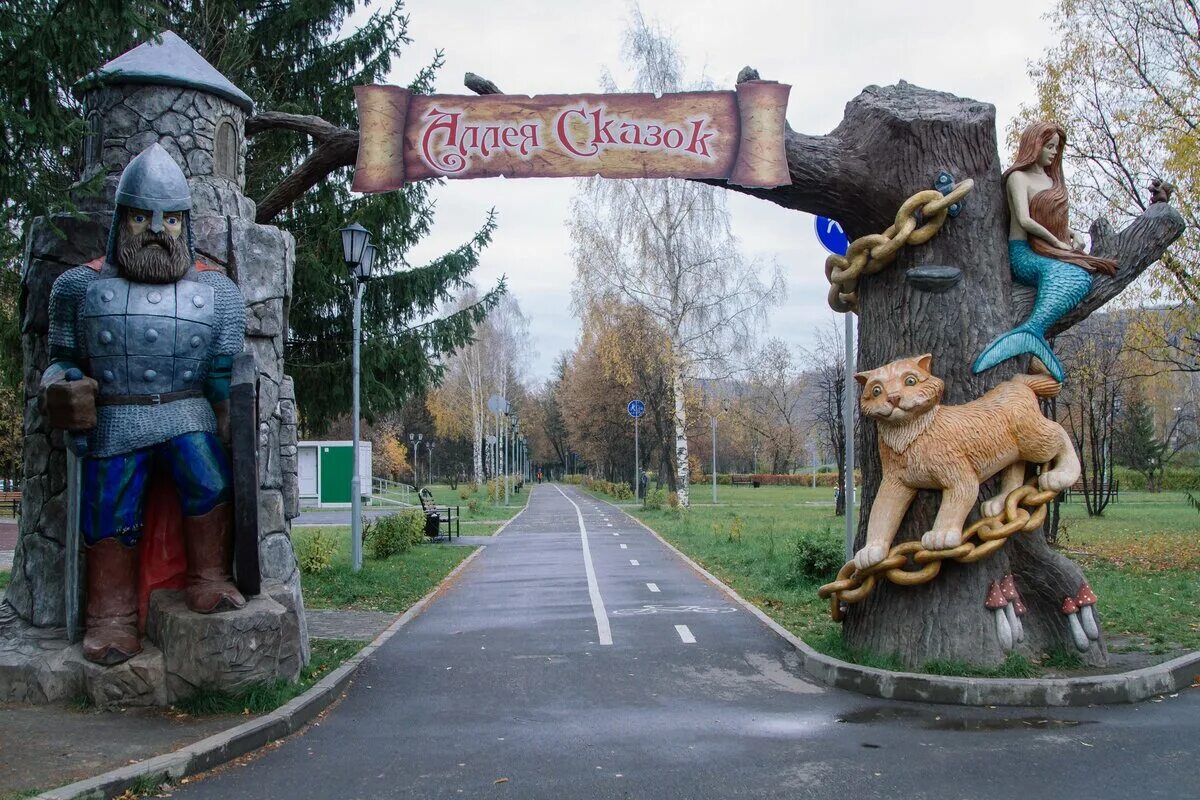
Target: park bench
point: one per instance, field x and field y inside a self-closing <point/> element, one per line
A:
<point x="11" y="502"/>
<point x="437" y="517"/>
<point x="744" y="480"/>
<point x="1075" y="490"/>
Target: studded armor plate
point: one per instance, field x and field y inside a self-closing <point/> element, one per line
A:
<point x="148" y="338"/>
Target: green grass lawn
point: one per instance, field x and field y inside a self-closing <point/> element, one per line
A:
<point x="390" y="585"/>
<point x="5" y="576"/>
<point x="1142" y="557"/>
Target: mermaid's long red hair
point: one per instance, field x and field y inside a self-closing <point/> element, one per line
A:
<point x="1049" y="207"/>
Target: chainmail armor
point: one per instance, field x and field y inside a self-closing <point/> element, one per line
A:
<point x="124" y="428"/>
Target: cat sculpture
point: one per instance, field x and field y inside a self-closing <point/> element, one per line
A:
<point x="926" y="445"/>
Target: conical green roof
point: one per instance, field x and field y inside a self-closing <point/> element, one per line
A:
<point x="171" y="62"/>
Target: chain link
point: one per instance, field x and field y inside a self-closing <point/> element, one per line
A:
<point x="869" y="254"/>
<point x="1024" y="511"/>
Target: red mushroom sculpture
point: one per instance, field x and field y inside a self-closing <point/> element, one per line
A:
<point x="1086" y="598"/>
<point x="997" y="603"/>
<point x="1008" y="585"/>
<point x="1071" y="609"/>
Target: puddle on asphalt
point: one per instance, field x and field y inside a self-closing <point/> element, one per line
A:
<point x="945" y="722"/>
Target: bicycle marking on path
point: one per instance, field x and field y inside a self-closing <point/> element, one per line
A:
<point x="598" y="611"/>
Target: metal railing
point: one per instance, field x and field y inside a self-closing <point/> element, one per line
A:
<point x="385" y="492"/>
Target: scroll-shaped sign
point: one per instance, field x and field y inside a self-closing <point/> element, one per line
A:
<point x="736" y="136"/>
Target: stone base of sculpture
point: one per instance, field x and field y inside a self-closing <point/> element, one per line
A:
<point x="182" y="651"/>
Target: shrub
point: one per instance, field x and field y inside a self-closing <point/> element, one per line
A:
<point x="673" y="501"/>
<point x="817" y="557"/>
<point x="314" y="553"/>
<point x="655" y="498"/>
<point x="464" y="493"/>
<point x="473" y="505"/>
<point x="396" y="533"/>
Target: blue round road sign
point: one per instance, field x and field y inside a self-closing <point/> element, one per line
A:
<point x="832" y="237"/>
<point x="636" y="408"/>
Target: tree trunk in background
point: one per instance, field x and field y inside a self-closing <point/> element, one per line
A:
<point x="682" y="470"/>
<point x="893" y="142"/>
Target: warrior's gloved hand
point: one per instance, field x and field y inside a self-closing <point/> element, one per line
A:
<point x="71" y="405"/>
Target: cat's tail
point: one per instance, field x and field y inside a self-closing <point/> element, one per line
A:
<point x="1039" y="379"/>
<point x="1022" y="339"/>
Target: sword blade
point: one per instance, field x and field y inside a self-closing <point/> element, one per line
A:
<point x="71" y="564"/>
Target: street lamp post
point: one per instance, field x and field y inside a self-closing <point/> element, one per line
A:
<point x="359" y="256"/>
<point x="415" y="440"/>
<point x="429" y="450"/>
<point x="713" y="418"/>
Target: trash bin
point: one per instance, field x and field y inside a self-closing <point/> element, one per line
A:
<point x="432" y="520"/>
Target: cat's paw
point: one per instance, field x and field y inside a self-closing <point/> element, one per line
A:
<point x="869" y="556"/>
<point x="993" y="507"/>
<point x="1054" y="481"/>
<point x="941" y="540"/>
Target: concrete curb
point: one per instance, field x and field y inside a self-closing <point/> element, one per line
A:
<point x="238" y="741"/>
<point x="1123" y="687"/>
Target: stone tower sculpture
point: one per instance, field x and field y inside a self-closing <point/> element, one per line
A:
<point x="160" y="92"/>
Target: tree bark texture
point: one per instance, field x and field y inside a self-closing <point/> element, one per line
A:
<point x="893" y="142"/>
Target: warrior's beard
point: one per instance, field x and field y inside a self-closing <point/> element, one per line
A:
<point x="150" y="257"/>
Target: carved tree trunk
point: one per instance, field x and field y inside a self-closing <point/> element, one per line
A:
<point x="892" y="143"/>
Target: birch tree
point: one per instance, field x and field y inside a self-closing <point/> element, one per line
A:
<point x="494" y="360"/>
<point x="667" y="247"/>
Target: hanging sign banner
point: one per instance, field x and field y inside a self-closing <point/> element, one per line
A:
<point x="734" y="136"/>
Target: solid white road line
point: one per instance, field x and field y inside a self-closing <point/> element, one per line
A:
<point x="634" y="562"/>
<point x="652" y="587"/>
<point x="602" y="628"/>
<point x="685" y="634"/>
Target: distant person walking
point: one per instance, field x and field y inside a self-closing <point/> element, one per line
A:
<point x="539" y="476"/>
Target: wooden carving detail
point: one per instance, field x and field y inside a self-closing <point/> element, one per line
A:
<point x="954" y="449"/>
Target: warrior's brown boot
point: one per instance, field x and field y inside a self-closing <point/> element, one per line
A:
<point x="209" y="543"/>
<point x="111" y="635"/>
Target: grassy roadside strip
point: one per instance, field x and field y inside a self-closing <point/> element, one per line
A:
<point x="1142" y="558"/>
<point x="393" y="584"/>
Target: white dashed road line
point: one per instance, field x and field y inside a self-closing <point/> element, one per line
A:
<point x="685" y="634"/>
<point x="652" y="587"/>
<point x="624" y="547"/>
<point x="634" y="562"/>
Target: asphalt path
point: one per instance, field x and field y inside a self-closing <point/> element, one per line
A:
<point x="505" y="687"/>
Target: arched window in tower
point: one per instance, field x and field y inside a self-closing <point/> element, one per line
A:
<point x="225" y="159"/>
<point x="93" y="140"/>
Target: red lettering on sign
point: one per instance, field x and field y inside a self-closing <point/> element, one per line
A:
<point x="699" y="143"/>
<point x="448" y="121"/>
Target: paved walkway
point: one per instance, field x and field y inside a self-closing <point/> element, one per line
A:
<point x="8" y="542"/>
<point x="506" y="686"/>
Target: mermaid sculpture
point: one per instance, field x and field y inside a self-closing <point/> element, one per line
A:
<point x="1038" y="248"/>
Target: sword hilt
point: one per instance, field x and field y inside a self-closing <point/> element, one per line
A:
<point x="77" y="441"/>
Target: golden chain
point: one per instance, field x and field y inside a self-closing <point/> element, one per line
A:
<point x="1024" y="511"/>
<point x="871" y="253"/>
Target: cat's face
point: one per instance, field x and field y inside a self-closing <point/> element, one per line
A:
<point x="900" y="391"/>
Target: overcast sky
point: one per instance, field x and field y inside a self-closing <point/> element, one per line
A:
<point x="828" y="50"/>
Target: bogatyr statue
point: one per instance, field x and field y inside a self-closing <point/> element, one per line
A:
<point x="154" y="336"/>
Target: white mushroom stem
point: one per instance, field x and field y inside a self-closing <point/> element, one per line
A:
<point x="1004" y="631"/>
<point x="1014" y="622"/>
<point x="1088" y="618"/>
<point x="1081" y="639"/>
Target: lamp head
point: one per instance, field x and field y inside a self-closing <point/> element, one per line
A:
<point x="354" y="241"/>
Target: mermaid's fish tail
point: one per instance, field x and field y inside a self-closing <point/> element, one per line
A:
<point x="1023" y="339"/>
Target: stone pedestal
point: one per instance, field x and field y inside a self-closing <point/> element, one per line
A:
<point x="230" y="650"/>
